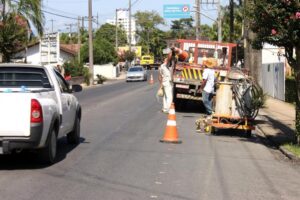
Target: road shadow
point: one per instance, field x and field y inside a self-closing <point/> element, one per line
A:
<point x="189" y="106"/>
<point x="284" y="134"/>
<point x="29" y="159"/>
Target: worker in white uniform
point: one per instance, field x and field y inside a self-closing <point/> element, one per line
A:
<point x="165" y="79"/>
<point x="207" y="86"/>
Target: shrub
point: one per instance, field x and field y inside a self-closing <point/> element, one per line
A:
<point x="101" y="79"/>
<point x="290" y="89"/>
<point x="74" y="68"/>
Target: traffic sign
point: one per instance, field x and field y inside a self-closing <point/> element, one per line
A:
<point x="177" y="11"/>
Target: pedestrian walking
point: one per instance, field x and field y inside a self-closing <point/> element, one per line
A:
<point x="165" y="80"/>
<point x="208" y="85"/>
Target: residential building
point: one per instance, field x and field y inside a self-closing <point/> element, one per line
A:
<point x="122" y="16"/>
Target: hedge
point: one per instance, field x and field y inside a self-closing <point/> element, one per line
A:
<point x="290" y="89"/>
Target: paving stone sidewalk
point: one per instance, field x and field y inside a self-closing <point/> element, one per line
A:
<point x="276" y="122"/>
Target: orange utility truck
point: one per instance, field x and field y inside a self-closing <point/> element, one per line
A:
<point x="188" y="74"/>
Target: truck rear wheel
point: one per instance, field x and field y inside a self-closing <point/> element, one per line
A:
<point x="48" y="153"/>
<point x="74" y="136"/>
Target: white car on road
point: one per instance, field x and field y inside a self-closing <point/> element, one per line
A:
<point x="136" y="73"/>
<point x="37" y="107"/>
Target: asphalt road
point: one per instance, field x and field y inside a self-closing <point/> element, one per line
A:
<point x="120" y="157"/>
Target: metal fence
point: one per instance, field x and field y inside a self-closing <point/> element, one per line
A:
<point x="273" y="80"/>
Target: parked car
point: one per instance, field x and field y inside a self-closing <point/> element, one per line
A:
<point x="136" y="73"/>
<point x="37" y="107"/>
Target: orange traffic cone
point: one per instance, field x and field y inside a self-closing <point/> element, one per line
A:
<point x="171" y="135"/>
<point x="151" y="81"/>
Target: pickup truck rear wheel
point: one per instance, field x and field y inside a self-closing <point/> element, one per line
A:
<point x="48" y="153"/>
<point x="74" y="136"/>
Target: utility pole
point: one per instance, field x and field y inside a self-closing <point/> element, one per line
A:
<point x="97" y="20"/>
<point x="219" y="22"/>
<point x="253" y="57"/>
<point x="91" y="56"/>
<point x="52" y="25"/>
<point x="79" y="38"/>
<point x="117" y="29"/>
<point x="70" y="27"/>
<point x="197" y="18"/>
<point x="82" y="22"/>
<point x="231" y="27"/>
<point x="129" y="35"/>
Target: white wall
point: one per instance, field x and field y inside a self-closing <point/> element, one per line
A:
<point x="64" y="56"/>
<point x="107" y="70"/>
<point x="33" y="54"/>
<point x="270" y="54"/>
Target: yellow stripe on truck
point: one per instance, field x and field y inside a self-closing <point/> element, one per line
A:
<point x="200" y="74"/>
<point x="185" y="74"/>
<point x="195" y="73"/>
<point x="190" y="74"/>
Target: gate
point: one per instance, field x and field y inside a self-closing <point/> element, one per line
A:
<point x="273" y="80"/>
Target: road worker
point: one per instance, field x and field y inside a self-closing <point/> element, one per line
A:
<point x="208" y="84"/>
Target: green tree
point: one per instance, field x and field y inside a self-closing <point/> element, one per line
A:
<point x="147" y="29"/>
<point x="12" y="36"/>
<point x="182" y="28"/>
<point x="104" y="51"/>
<point x="26" y="13"/>
<point x="66" y="39"/>
<point x="277" y="22"/>
<point x="108" y="32"/>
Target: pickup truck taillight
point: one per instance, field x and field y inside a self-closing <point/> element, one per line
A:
<point x="36" y="114"/>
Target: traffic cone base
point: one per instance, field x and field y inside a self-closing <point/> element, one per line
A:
<point x="151" y="81"/>
<point x="171" y="135"/>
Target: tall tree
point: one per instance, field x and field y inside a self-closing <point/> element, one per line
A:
<point x="237" y="23"/>
<point x="104" y="51"/>
<point x="31" y="10"/>
<point x="182" y="28"/>
<point x="26" y="13"/>
<point x="147" y="29"/>
<point x="108" y="32"/>
<point x="12" y="36"/>
<point x="277" y="22"/>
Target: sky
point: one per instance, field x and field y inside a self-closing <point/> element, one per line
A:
<point x="105" y="9"/>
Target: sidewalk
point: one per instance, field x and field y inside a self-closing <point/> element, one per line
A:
<point x="277" y="121"/>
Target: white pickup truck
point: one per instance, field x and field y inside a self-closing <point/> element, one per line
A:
<point x="37" y="107"/>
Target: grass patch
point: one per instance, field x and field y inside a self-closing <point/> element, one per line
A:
<point x="293" y="148"/>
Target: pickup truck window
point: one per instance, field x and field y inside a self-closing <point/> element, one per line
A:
<point x="23" y="76"/>
<point x="64" y="86"/>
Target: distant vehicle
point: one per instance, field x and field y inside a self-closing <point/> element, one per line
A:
<point x="37" y="107"/>
<point x="136" y="73"/>
<point x="147" y="61"/>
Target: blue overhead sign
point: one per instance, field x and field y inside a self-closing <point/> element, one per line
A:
<point x="177" y="11"/>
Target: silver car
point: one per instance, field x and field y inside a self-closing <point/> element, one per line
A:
<point x="136" y="73"/>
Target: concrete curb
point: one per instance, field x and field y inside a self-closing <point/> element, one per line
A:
<point x="108" y="82"/>
<point x="284" y="151"/>
<point x="288" y="154"/>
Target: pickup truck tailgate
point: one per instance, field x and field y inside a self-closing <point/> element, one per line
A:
<point x="15" y="111"/>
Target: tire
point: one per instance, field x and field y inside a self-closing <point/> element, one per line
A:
<point x="248" y="133"/>
<point x="74" y="136"/>
<point x="48" y="153"/>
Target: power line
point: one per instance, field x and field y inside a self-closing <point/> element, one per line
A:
<point x="59" y="15"/>
<point x="60" y="11"/>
